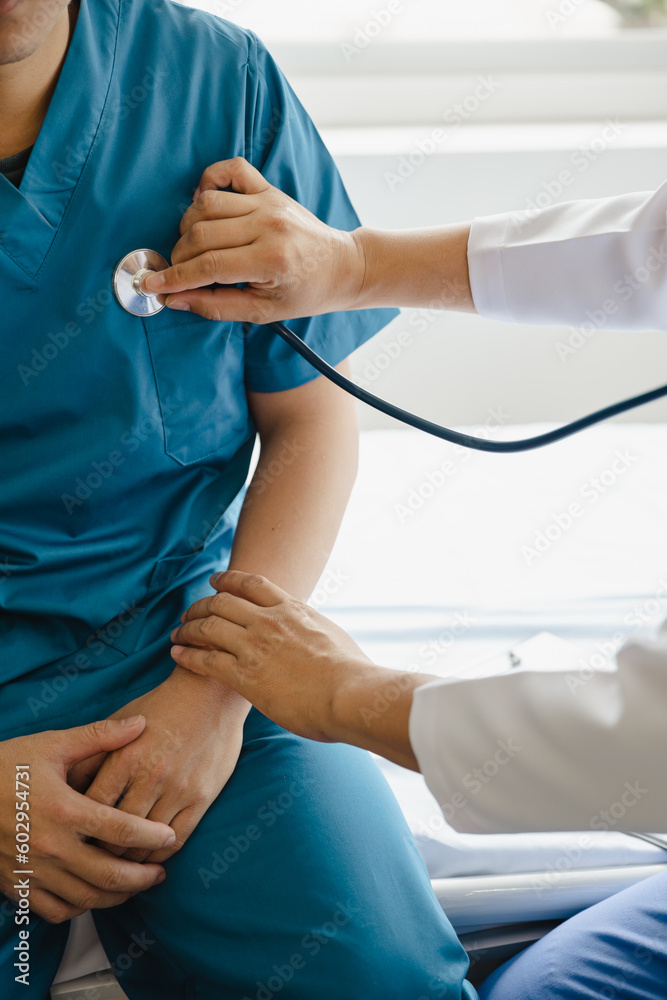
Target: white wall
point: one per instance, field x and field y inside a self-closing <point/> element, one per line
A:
<point x="554" y="99"/>
<point x="462" y="365"/>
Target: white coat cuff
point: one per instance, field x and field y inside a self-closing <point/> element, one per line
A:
<point x="440" y="735"/>
<point x="485" y="264"/>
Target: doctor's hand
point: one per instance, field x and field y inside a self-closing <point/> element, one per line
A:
<point x="71" y="875"/>
<point x="180" y="763"/>
<point x="297" y="667"/>
<point x="280" y="654"/>
<point x="293" y="264"/>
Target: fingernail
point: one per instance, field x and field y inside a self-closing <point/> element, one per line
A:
<point x="173" y="635"/>
<point x="215" y="577"/>
<point x="171" y="840"/>
<point x="177" y="650"/>
<point x="132" y="720"/>
<point x="154" y="282"/>
<point x="196" y="194"/>
<point x="178" y="304"/>
<point x="161" y="877"/>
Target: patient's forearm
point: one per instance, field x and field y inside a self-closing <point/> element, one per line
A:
<point x="296" y="501"/>
<point x="419" y="267"/>
<point x="370" y="708"/>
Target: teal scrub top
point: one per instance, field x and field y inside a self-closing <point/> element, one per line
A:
<point x="125" y="442"/>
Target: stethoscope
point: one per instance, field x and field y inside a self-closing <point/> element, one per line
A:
<point x="127" y="285"/>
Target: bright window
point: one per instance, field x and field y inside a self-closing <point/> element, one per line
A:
<point x="370" y="65"/>
<point x="340" y="21"/>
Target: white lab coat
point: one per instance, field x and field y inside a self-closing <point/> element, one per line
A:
<point x="526" y="750"/>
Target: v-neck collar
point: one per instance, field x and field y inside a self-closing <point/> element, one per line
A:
<point x="31" y="215"/>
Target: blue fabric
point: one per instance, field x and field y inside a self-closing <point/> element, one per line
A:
<point x="126" y="440"/>
<point x="301" y="881"/>
<point x="616" y="950"/>
<point x="124" y="446"/>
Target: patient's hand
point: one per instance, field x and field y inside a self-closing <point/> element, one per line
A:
<point x="70" y="875"/>
<point x="180" y="763"/>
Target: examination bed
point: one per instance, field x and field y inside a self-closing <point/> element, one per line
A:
<point x="461" y="563"/>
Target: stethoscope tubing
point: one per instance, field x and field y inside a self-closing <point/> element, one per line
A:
<point x="127" y="286"/>
<point x="458" y="437"/>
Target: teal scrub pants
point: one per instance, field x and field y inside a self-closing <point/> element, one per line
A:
<point x="302" y="882"/>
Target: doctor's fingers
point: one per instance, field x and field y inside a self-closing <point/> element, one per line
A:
<point x="227" y="267"/>
<point x="233" y="609"/>
<point x="225" y="234"/>
<point x="249" y="586"/>
<point x="236" y="173"/>
<point x="235" y="305"/>
<point x="212" y="633"/>
<point x="211" y="663"/>
<point x="223" y="205"/>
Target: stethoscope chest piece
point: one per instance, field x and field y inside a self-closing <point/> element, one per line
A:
<point x="127" y="278"/>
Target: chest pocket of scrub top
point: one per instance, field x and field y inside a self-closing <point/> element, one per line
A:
<point x="198" y="369"/>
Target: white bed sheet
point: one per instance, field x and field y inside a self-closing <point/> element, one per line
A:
<point x="437" y="567"/>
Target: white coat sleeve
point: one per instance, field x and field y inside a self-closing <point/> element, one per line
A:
<point x="528" y="750"/>
<point x="600" y="262"/>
